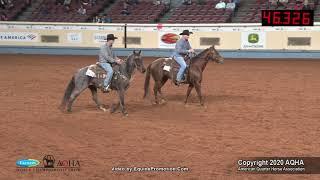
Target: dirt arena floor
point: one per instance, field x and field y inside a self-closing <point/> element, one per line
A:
<point x="253" y="108"/>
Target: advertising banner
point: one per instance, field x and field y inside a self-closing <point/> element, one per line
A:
<point x="253" y="40"/>
<point x="19" y="37"/>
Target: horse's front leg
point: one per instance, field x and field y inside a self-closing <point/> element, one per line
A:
<point x="198" y="89"/>
<point x="114" y="107"/>
<point x="121" y="93"/>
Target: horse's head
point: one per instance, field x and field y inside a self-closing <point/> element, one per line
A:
<point x="214" y="55"/>
<point x="137" y="58"/>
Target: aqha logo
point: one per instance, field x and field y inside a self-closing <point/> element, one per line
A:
<point x="68" y="163"/>
<point x="294" y="162"/>
<point x="170" y="38"/>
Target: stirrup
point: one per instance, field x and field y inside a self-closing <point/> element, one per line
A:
<point x="106" y="89"/>
<point x="178" y="83"/>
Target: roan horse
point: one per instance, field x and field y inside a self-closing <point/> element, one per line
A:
<point x="120" y="82"/>
<point x="194" y="78"/>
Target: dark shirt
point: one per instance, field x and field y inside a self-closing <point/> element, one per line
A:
<point x="306" y="7"/>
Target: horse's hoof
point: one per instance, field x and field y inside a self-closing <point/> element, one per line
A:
<point x="163" y="101"/>
<point x="103" y="109"/>
<point x="69" y="111"/>
<point x="155" y="102"/>
<point x="125" y="114"/>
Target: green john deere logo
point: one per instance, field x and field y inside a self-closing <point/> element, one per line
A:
<point x="253" y="38"/>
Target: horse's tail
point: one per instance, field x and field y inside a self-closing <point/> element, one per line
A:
<point x="67" y="93"/>
<point x="147" y="82"/>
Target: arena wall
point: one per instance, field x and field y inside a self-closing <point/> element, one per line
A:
<point x="234" y="40"/>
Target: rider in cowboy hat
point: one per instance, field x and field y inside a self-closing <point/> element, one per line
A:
<point x="182" y="48"/>
<point x="106" y="58"/>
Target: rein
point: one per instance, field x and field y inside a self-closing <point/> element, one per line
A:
<point x="199" y="58"/>
<point x="123" y="75"/>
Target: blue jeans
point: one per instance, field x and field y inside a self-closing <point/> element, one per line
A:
<point x="108" y="68"/>
<point x="183" y="66"/>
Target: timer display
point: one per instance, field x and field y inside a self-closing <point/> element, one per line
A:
<point x="287" y="17"/>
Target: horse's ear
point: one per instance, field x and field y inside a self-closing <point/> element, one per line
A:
<point x="134" y="51"/>
<point x="139" y="52"/>
<point x="212" y="48"/>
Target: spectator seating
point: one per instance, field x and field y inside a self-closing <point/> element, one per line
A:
<point x="205" y="13"/>
<point x="147" y="12"/>
<point x="57" y="13"/>
<point x="144" y="12"/>
<point x="19" y="6"/>
<point x="317" y="12"/>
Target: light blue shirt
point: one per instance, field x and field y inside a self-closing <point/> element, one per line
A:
<point x="182" y="47"/>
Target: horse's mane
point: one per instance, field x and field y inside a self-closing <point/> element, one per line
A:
<point x="199" y="55"/>
<point x="124" y="66"/>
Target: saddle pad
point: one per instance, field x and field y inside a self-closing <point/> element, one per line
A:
<point x="90" y="72"/>
<point x="171" y="63"/>
<point x="96" y="70"/>
<point x="167" y="68"/>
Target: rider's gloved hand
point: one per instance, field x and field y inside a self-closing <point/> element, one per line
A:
<point x="118" y="61"/>
<point x="191" y="50"/>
